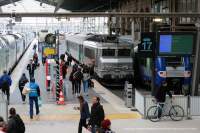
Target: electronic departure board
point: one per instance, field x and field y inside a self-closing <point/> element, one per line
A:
<point x="176" y="43"/>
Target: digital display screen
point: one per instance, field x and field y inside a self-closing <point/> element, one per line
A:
<point x="146" y="47"/>
<point x="176" y="44"/>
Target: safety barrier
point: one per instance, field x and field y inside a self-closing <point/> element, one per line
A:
<point x="144" y="102"/>
<point x="3" y="107"/>
<point x="195" y="105"/>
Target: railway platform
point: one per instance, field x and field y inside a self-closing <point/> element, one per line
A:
<point x="63" y="118"/>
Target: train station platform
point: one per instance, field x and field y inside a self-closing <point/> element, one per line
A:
<point x="63" y="118"/>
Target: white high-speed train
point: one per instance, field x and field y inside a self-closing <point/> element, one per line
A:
<point x="12" y="47"/>
<point x="110" y="55"/>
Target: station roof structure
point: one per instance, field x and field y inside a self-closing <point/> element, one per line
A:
<point x="57" y="5"/>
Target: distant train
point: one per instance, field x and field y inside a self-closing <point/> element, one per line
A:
<point x="12" y="47"/>
<point x="110" y="55"/>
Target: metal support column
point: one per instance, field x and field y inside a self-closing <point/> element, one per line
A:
<point x="57" y="68"/>
<point x="196" y="66"/>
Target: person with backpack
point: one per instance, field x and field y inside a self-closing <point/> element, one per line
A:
<point x="35" y="59"/>
<point x="5" y="83"/>
<point x="22" y="81"/>
<point x="15" y="123"/>
<point x="31" y="68"/>
<point x="97" y="114"/>
<point x="78" y="76"/>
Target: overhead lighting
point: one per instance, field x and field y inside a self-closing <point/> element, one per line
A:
<point x="157" y="19"/>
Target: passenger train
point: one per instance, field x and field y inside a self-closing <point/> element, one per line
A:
<point x="110" y="55"/>
<point x="12" y="47"/>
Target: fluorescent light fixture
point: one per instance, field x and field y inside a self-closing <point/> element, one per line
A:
<point x="157" y="19"/>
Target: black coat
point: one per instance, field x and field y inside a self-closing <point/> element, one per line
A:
<point x="23" y="80"/>
<point x="31" y="68"/>
<point x="97" y="115"/>
<point x="161" y="94"/>
<point x="15" y="125"/>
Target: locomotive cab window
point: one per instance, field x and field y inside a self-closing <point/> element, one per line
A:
<point x="108" y="52"/>
<point x="124" y="52"/>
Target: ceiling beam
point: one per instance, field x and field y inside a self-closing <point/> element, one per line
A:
<point x="104" y="14"/>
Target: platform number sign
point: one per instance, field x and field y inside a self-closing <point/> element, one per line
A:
<point x="146" y="47"/>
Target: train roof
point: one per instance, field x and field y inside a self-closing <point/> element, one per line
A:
<point x="78" y="38"/>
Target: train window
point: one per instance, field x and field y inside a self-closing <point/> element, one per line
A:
<point x="108" y="52"/>
<point x="90" y="53"/>
<point x="124" y="52"/>
<point x="171" y="61"/>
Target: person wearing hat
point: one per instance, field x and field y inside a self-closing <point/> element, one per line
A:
<point x="31" y="68"/>
<point x="33" y="96"/>
<point x="5" y="83"/>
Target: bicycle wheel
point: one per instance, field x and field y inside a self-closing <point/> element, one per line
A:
<point x="176" y="113"/>
<point x="152" y="113"/>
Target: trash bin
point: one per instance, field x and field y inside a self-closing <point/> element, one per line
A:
<point x="128" y="95"/>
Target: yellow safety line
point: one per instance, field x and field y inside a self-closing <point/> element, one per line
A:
<point x="65" y="117"/>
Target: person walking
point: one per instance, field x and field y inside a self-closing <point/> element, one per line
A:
<point x="72" y="80"/>
<point x="15" y="123"/>
<point x="86" y="78"/>
<point x="84" y="113"/>
<point x="78" y="76"/>
<point x="22" y="81"/>
<point x="35" y="59"/>
<point x="31" y="69"/>
<point x="69" y="59"/>
<point x="5" y="83"/>
<point x="160" y="96"/>
<point x="97" y="114"/>
<point x="34" y="94"/>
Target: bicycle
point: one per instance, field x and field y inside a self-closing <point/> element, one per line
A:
<point x="176" y="112"/>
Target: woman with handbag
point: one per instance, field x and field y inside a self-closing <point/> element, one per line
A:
<point x="22" y="81"/>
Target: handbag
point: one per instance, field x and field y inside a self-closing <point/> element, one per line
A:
<point x="26" y="89"/>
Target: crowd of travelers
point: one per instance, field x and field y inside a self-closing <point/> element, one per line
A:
<point x="80" y="77"/>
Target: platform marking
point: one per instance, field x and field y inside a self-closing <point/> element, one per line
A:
<point x="65" y="117"/>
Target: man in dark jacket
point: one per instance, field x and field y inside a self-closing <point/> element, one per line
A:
<point x="160" y="96"/>
<point x="31" y="68"/>
<point x="97" y="114"/>
<point x="84" y="113"/>
<point x="69" y="59"/>
<point x="78" y="76"/>
<point x="5" y="83"/>
<point x="22" y="81"/>
<point x="15" y="123"/>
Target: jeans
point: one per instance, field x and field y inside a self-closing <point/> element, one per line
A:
<point x="23" y="96"/>
<point x="31" y="75"/>
<point x="77" y="86"/>
<point x="85" y="86"/>
<point x="160" y="110"/>
<point x="31" y="100"/>
<point x="82" y="123"/>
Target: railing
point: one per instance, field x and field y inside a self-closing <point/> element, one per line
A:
<point x="144" y="102"/>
